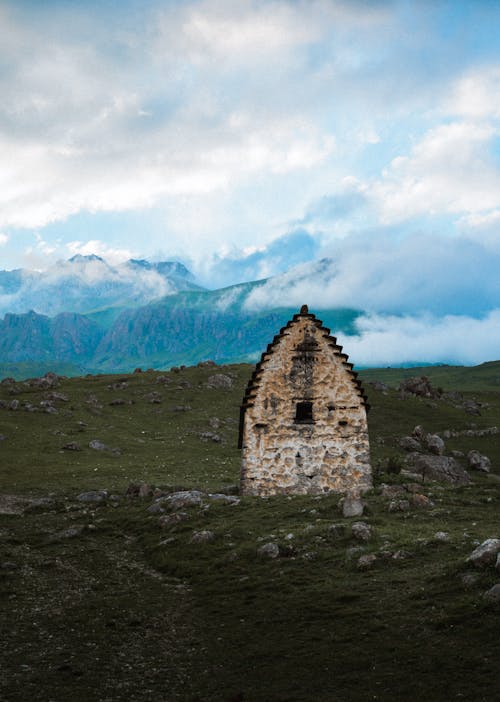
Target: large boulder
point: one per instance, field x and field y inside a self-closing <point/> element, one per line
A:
<point x="419" y="386"/>
<point x="441" y="468"/>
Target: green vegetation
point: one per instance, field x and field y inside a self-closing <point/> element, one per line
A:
<point x="123" y="608"/>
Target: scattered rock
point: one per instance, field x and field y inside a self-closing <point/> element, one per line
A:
<point x="440" y="468"/>
<point x="367" y="561"/>
<point x="478" y="462"/>
<point x="269" y="550"/>
<point x="210" y="436"/>
<point x="93" y="496"/>
<point x="220" y="382"/>
<point x="155" y="508"/>
<point x="391" y="490"/>
<point x="419" y="386"/>
<point x="485" y="554"/>
<point x="434" y="444"/>
<point x="172" y="519"/>
<point x="72" y="446"/>
<point x="408" y="443"/>
<point x="420" y="501"/>
<point x="181" y="408"/>
<point x="442" y="536"/>
<point x="361" y="531"/>
<point x="352" y="506"/>
<point x="98" y="445"/>
<point x="379" y="386"/>
<point x="202" y="537"/>
<point x="493" y="594"/>
<point x="472" y="407"/>
<point x="497" y="564"/>
<point x="14" y="405"/>
<point x="418" y="432"/>
<point x="227" y="499"/>
<point x="183" y="499"/>
<point x="399" y="506"/>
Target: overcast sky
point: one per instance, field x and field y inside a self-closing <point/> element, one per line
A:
<point x="245" y="137"/>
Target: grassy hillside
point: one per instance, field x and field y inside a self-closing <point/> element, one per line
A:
<point x="109" y="601"/>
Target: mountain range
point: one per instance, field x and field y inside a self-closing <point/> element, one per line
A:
<point x="85" y="316"/>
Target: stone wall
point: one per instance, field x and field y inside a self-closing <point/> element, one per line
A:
<point x="304" y="427"/>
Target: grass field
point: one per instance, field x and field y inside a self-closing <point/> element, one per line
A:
<point x="99" y="601"/>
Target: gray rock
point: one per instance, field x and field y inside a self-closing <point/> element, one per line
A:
<point x="420" y="501"/>
<point x="226" y="499"/>
<point x="210" y="436"/>
<point x="497" y="564"/>
<point x="434" y="444"/>
<point x="173" y="519"/>
<point x="203" y="537"/>
<point x="469" y="579"/>
<point x="399" y="506"/>
<point x="391" y="490"/>
<point x="269" y="550"/>
<point x="98" y="445"/>
<point x="408" y="443"/>
<point x="155" y="508"/>
<point x="478" y="462"/>
<point x="493" y="594"/>
<point x="440" y="468"/>
<point x="361" y="531"/>
<point x="72" y="446"/>
<point x="93" y="496"/>
<point x="485" y="554"/>
<point x="14" y="405"/>
<point x="70" y="533"/>
<point x="183" y="499"/>
<point x="442" y="536"/>
<point x="367" y="561"/>
<point x="220" y="382"/>
<point x="352" y="506"/>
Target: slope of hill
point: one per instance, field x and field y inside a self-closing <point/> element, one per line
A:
<point x="113" y="595"/>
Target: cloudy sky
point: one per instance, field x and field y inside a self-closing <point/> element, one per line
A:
<point x="244" y="137"/>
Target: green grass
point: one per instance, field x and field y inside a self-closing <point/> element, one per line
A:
<point x="130" y="610"/>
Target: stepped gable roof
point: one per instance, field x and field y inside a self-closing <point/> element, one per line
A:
<point x="254" y="381"/>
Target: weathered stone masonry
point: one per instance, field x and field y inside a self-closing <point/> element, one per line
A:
<point x="303" y="427"/>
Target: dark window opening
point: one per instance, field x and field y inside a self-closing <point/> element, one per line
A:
<point x="304" y="413"/>
<point x="343" y="422"/>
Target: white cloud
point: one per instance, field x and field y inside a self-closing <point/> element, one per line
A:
<point x="3" y="239"/>
<point x="449" y="171"/>
<point x="389" y="340"/>
<point x="475" y="95"/>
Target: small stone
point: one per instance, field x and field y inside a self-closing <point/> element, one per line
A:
<point x="172" y="519"/>
<point x="408" y="443"/>
<point x="391" y="490"/>
<point x="155" y="508"/>
<point x="202" y="537"/>
<point x="478" y="462"/>
<point x="485" y="554"/>
<point x="441" y="536"/>
<point x="226" y="499"/>
<point x="367" y="561"/>
<point x="493" y="594"/>
<point x="399" y="506"/>
<point x="269" y="550"/>
<point x="497" y="564"/>
<point x="361" y="531"/>
<point x="72" y="446"/>
<point x="220" y="382"/>
<point x="420" y="501"/>
<point x="70" y="533"/>
<point x="97" y="445"/>
<point x="93" y="496"/>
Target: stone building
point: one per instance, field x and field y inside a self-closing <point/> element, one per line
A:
<point x="303" y="427"/>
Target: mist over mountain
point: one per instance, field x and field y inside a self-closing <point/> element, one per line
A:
<point x="85" y="315"/>
<point x="87" y="283"/>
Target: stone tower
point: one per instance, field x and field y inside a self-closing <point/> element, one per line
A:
<point x="303" y="427"/>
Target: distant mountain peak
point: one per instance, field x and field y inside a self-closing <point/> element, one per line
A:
<point x="81" y="258"/>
